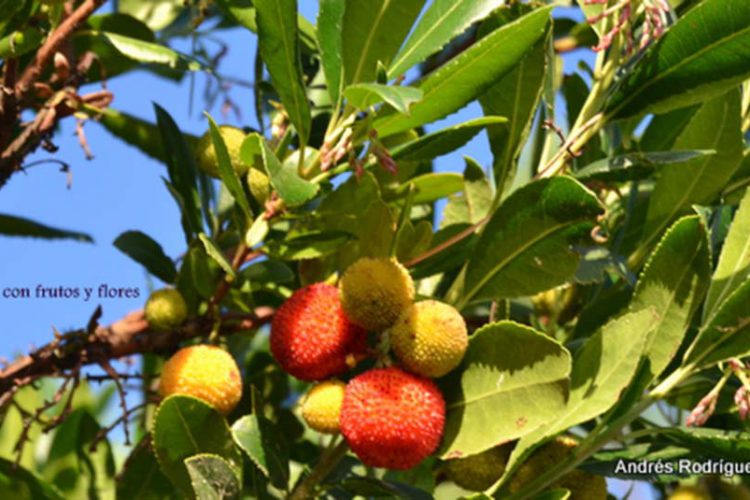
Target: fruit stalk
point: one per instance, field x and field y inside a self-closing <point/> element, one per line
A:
<point x="325" y="465"/>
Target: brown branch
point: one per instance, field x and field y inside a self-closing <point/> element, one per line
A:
<point x="53" y="44"/>
<point x="125" y="337"/>
<point x="107" y="367"/>
<point x="447" y="243"/>
<point x="8" y="112"/>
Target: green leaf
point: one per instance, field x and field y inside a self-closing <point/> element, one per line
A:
<point x="216" y="254"/>
<point x="11" y="225"/>
<point x="475" y="203"/>
<point x="228" y="175"/>
<point x="262" y="442"/>
<point x="136" y="132"/>
<point x="158" y="14"/>
<point x="700" y="182"/>
<point x="330" y="26"/>
<point x="10" y="8"/>
<point x="554" y="494"/>
<point x="356" y="207"/>
<point x="719" y="444"/>
<point x="143" y="249"/>
<point x="725" y="335"/>
<point x="309" y="245"/>
<point x="150" y="53"/>
<point x="592" y="11"/>
<point x="364" y="95"/>
<point x="702" y="56"/>
<point x="734" y="261"/>
<point x="469" y="74"/>
<point x="512" y="380"/>
<point x="442" y="142"/>
<point x="636" y="166"/>
<point x="604" y="367"/>
<point x="373" y="31"/>
<point x="18" y="482"/>
<point x="212" y="477"/>
<point x="242" y="11"/>
<point x="526" y="246"/>
<point x="182" y="172"/>
<point x="279" y="48"/>
<point x="673" y="283"/>
<point x="516" y="95"/>
<point x="293" y="189"/>
<point x="185" y="426"/>
<point x="257" y="231"/>
<point x="268" y="271"/>
<point x="142" y="479"/>
<point x="431" y="187"/>
<point x="71" y="447"/>
<point x="739" y="182"/>
<point x="443" y="20"/>
<point x="20" y="42"/>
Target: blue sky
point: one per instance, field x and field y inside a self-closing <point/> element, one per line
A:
<point x="120" y="190"/>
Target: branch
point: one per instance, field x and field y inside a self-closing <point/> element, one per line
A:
<point x="125" y="337"/>
<point x="53" y="44"/>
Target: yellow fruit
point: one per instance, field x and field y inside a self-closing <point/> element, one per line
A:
<point x="375" y="291"/>
<point x="205" y="372"/>
<point x="479" y="472"/>
<point x="206" y="153"/>
<point x="165" y="310"/>
<point x="260" y="186"/>
<point x="429" y="338"/>
<point x="689" y="493"/>
<point x="582" y="485"/>
<point x="321" y="406"/>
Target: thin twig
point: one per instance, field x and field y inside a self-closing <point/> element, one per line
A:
<point x="55" y="40"/>
<point x="447" y="243"/>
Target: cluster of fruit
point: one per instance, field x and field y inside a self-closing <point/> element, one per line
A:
<point x="391" y="416"/>
<point x="206" y="372"/>
<point x="205" y="153"/>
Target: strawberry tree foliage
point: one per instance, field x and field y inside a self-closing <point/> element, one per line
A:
<point x="600" y="255"/>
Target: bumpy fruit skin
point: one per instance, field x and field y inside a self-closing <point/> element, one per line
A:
<point x="311" y="337"/>
<point x="582" y="485"/>
<point x="206" y="153"/>
<point x="205" y="372"/>
<point x="260" y="186"/>
<point x="479" y="472"/>
<point x="430" y="338"/>
<point x="321" y="406"/>
<point x="165" y="310"/>
<point x="689" y="493"/>
<point x="375" y="291"/>
<point x="391" y="418"/>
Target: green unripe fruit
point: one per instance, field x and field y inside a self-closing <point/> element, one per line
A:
<point x="166" y="310"/>
<point x="479" y="472"/>
<point x="689" y="493"/>
<point x="582" y="485"/>
<point x="205" y="152"/>
<point x="430" y="338"/>
<point x="260" y="186"/>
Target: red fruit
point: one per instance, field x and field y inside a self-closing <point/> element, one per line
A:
<point x="391" y="418"/>
<point x="311" y="337"/>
